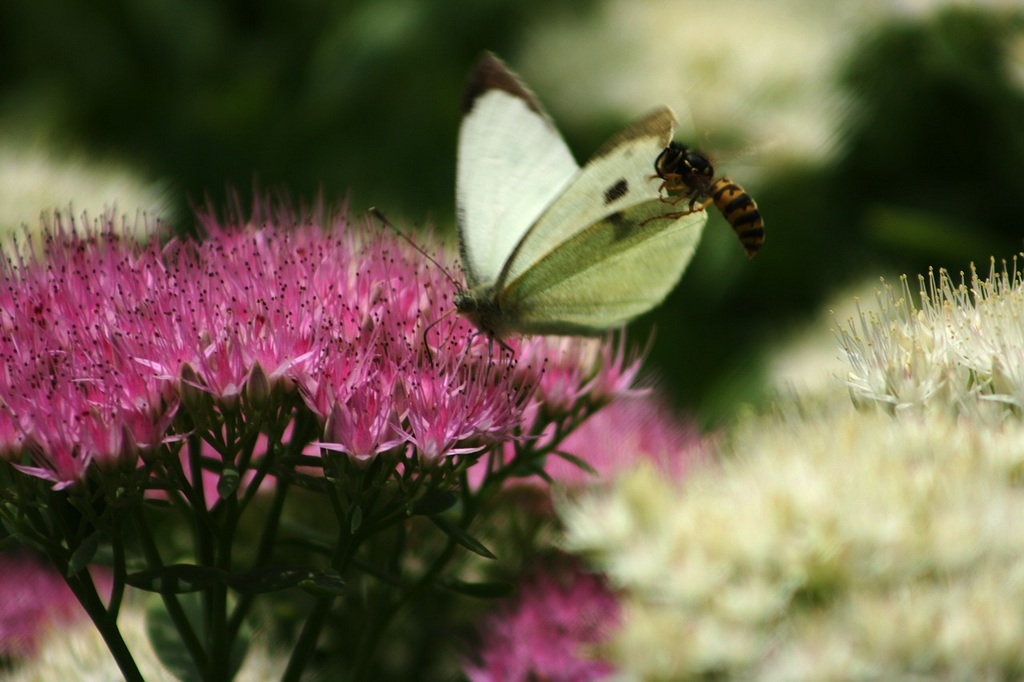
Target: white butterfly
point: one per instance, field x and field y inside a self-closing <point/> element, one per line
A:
<point x="549" y="247"/>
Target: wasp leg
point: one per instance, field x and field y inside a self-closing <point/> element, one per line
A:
<point x="670" y="184"/>
<point x="673" y="200"/>
<point x="703" y="205"/>
<point x="675" y="215"/>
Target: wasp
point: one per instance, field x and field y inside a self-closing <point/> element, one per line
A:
<point x="688" y="174"/>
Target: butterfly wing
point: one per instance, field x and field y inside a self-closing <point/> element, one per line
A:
<point x="512" y="163"/>
<point x="603" y="276"/>
<point x="618" y="176"/>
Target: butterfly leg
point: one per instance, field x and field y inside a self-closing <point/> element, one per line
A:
<point x="491" y="339"/>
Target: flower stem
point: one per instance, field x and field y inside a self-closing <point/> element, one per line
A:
<point x="348" y="544"/>
<point x="307" y="640"/>
<point x="120" y="570"/>
<point x="171" y="603"/>
<point x="84" y="589"/>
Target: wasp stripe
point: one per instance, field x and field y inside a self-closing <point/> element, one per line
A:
<point x="740" y="210"/>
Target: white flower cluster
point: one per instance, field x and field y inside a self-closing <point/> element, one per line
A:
<point x="724" y="61"/>
<point x="77" y="652"/>
<point x="833" y="545"/>
<point x="35" y="178"/>
<point x="960" y="350"/>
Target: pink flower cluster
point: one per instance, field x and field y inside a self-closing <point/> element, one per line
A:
<point x="74" y="387"/>
<point x="632" y="429"/>
<point x="34" y="597"/>
<point x="103" y="340"/>
<point x="550" y="631"/>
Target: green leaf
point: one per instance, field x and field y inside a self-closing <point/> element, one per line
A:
<point x="263" y="580"/>
<point x="177" y="579"/>
<point x="300" y="535"/>
<point x="582" y="464"/>
<point x="227" y="484"/>
<point x="324" y="584"/>
<point x="316" y="483"/>
<point x="542" y="473"/>
<point x="356" y="520"/>
<point x="462" y="537"/>
<point x="307" y="461"/>
<point x="374" y="470"/>
<point x="434" y="503"/>
<point x="531" y="466"/>
<point x="478" y="590"/>
<point x="167" y="642"/>
<point x="16" y="537"/>
<point x="84" y="553"/>
<point x="309" y="544"/>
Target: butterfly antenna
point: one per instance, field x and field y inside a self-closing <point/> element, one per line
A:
<point x="376" y="212"/>
<point x="426" y="343"/>
<point x="379" y="215"/>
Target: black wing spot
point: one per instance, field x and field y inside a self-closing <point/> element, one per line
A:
<point x="621" y="228"/>
<point x="616" y="191"/>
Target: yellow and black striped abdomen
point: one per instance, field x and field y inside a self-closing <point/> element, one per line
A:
<point x="740" y="210"/>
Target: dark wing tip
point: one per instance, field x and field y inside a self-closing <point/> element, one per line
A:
<point x="490" y="73"/>
<point x="659" y="123"/>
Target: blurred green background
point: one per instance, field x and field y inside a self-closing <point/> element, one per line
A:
<point x="877" y="137"/>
